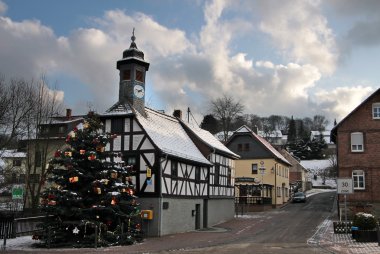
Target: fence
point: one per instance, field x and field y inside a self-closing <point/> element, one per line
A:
<point x="341" y="227"/>
<point x="11" y="227"/>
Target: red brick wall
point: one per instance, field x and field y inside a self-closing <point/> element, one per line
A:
<point x="369" y="160"/>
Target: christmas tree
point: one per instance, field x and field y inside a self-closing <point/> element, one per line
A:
<point x="91" y="199"/>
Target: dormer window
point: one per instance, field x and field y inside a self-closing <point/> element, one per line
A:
<point x="139" y="76"/>
<point x="376" y="110"/>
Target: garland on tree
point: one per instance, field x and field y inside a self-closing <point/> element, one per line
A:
<point x="91" y="200"/>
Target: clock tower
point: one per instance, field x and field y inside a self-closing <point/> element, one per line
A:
<point x="132" y="69"/>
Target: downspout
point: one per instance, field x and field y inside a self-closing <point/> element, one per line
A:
<point x="275" y="185"/>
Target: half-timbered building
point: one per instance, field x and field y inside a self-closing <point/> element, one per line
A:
<point x="184" y="175"/>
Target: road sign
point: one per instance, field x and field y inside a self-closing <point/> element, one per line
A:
<point x="17" y="192"/>
<point x="345" y="186"/>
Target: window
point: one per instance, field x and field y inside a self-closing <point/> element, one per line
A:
<point x="61" y="129"/>
<point x="197" y="174"/>
<point x="216" y="177"/>
<point x="358" y="179"/>
<point x="174" y="168"/>
<point x="22" y="178"/>
<point x="16" y="162"/>
<point x="240" y="147"/>
<point x="126" y="75"/>
<point x="254" y="168"/>
<point x="229" y="178"/>
<point x="246" y="147"/>
<point x="139" y="76"/>
<point x="117" y="125"/>
<point x="278" y="191"/>
<point x="376" y="110"/>
<point x="357" y="142"/>
<point x="37" y="159"/>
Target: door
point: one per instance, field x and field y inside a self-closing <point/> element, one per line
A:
<point x="205" y="213"/>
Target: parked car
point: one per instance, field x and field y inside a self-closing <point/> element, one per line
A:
<point x="299" y="197"/>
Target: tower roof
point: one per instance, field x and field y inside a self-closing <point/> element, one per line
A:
<point x="133" y="54"/>
<point x="133" y="51"/>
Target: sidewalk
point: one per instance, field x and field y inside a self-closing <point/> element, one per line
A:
<point x="341" y="243"/>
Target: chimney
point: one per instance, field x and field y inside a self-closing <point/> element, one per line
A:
<point x="255" y="129"/>
<point x="177" y="113"/>
<point x="68" y="112"/>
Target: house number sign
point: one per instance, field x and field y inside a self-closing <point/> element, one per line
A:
<point x="345" y="186"/>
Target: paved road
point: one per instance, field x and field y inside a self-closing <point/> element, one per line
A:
<point x="286" y="230"/>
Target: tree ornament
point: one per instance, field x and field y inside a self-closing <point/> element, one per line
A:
<point x="113" y="202"/>
<point x="52" y="202"/>
<point x="73" y="179"/>
<point x="75" y="231"/>
<point x="97" y="190"/>
<point x="92" y="157"/>
<point x="86" y="125"/>
<point x="113" y="174"/>
<point x="57" y="154"/>
<point x="130" y="191"/>
<point x="100" y="148"/>
<point x="68" y="154"/>
<point x="82" y="151"/>
<point x="51" y="196"/>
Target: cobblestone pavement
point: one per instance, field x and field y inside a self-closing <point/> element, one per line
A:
<point x="341" y="243"/>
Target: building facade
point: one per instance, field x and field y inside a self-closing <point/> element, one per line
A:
<point x="262" y="173"/>
<point x="357" y="138"/>
<point x="184" y="175"/>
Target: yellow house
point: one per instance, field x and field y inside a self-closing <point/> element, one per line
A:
<point x="262" y="173"/>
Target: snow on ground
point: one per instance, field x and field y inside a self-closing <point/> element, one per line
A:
<point x="18" y="243"/>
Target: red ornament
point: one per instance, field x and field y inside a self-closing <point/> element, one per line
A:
<point x="57" y="154"/>
<point x="52" y="202"/>
<point x="92" y="157"/>
<point x="82" y="152"/>
<point x="51" y="196"/>
<point x="113" y="202"/>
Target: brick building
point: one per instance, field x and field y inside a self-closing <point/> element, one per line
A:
<point x="357" y="138"/>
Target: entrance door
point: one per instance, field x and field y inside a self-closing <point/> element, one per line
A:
<point x="197" y="216"/>
<point x="205" y="213"/>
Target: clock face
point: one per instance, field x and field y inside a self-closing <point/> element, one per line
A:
<point x="138" y="91"/>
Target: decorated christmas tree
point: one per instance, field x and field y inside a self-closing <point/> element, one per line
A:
<point x="90" y="201"/>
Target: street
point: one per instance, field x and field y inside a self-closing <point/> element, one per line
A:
<point x="290" y="229"/>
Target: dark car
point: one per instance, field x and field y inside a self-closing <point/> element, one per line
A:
<point x="299" y="197"/>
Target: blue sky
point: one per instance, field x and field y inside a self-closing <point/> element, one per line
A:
<point x="296" y="58"/>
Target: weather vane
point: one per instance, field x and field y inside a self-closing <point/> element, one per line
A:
<point x="133" y="35"/>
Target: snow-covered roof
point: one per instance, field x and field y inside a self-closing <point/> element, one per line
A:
<point x="63" y="120"/>
<point x="119" y="109"/>
<point x="209" y="139"/>
<point x="169" y="136"/>
<point x="277" y="154"/>
<point x="271" y="134"/>
<point x="12" y="154"/>
<point x="315" y="164"/>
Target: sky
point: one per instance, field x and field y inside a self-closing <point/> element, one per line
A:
<point x="292" y="57"/>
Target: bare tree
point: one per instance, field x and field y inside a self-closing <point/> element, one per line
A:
<point x="45" y="104"/>
<point x="24" y="106"/>
<point x="225" y="109"/>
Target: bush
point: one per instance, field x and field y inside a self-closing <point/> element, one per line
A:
<point x="364" y="221"/>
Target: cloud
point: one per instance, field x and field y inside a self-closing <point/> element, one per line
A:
<point x="190" y="71"/>
<point x="299" y="31"/>
<point x="3" y="7"/>
<point x="340" y="101"/>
